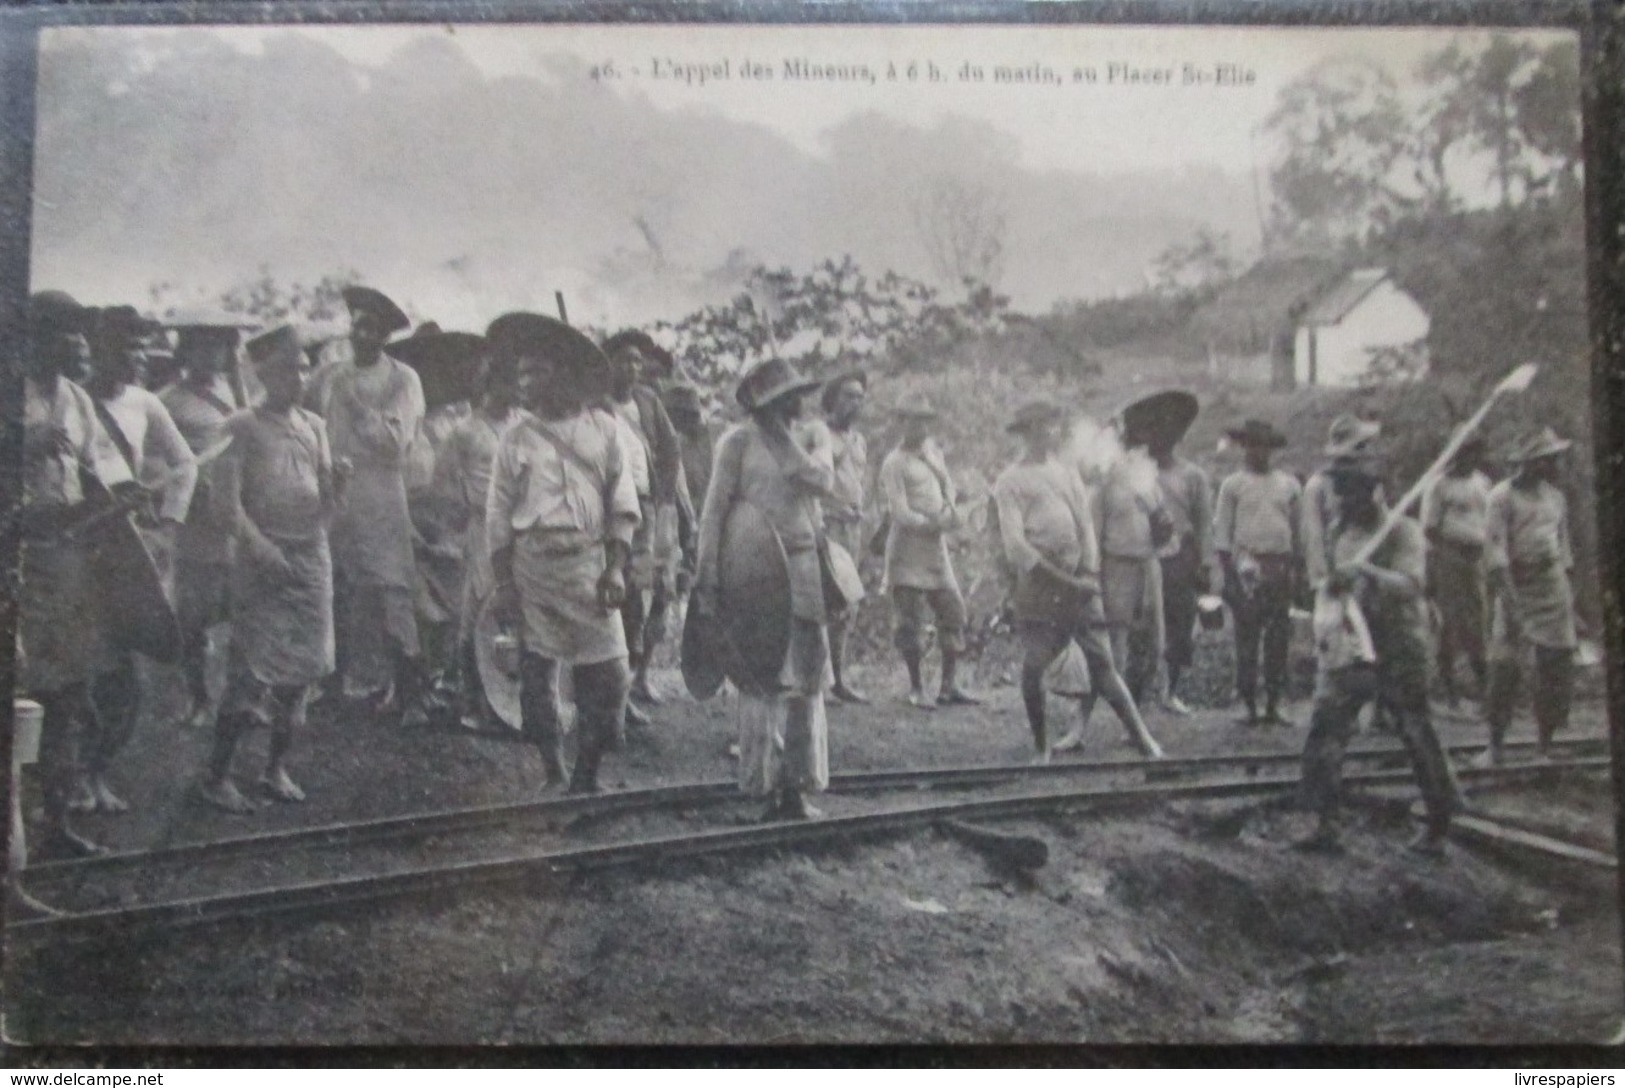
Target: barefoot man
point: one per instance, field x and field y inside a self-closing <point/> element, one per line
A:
<point x="1394" y="673"/>
<point x="140" y="426"/>
<point x="200" y="403"/>
<point x="1048" y="535"/>
<point x="279" y="484"/>
<point x="58" y="623"/>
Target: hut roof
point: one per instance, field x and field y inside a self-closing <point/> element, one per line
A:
<point x="1344" y="296"/>
<point x="1268" y="296"/>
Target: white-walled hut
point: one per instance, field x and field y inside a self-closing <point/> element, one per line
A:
<point x="1249" y="325"/>
<point x="1364" y="314"/>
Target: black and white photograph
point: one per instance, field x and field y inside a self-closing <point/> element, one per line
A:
<point x="735" y="534"/>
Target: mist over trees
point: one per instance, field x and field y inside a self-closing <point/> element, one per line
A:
<point x="184" y="159"/>
<point x="1359" y="150"/>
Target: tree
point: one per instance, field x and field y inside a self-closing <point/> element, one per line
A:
<point x="831" y="317"/>
<point x="1195" y="266"/>
<point x="1482" y="90"/>
<point x="1342" y="129"/>
<point x="268" y="301"/>
<point x="1546" y="110"/>
<point x="962" y="225"/>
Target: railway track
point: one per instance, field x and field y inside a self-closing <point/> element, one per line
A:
<point x="342" y="891"/>
<point x="437" y="823"/>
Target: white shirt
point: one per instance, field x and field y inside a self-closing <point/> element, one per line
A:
<point x="634" y="449"/>
<point x="536" y="487"/>
<point x="156" y="446"/>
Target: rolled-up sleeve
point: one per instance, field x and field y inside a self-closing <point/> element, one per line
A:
<point x="1020" y="554"/>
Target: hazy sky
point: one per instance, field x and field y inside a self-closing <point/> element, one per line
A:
<point x="1105" y="127"/>
<point x="496" y="189"/>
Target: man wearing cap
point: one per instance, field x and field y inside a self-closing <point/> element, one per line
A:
<point x="373" y="408"/>
<point x="1455" y="517"/>
<point x="200" y="403"/>
<point x="919" y="496"/>
<point x="842" y="400"/>
<point x="281" y="488"/>
<point x="1048" y="537"/>
<point x="1392" y="669"/>
<point x="154" y="451"/>
<point x="1529" y="558"/>
<point x="560" y="517"/>
<point x="58" y="630"/>
<point x="781" y="464"/>
<point x="654" y="462"/>
<point x="1187" y="499"/>
<point x="463" y="480"/>
<point x="1347" y="432"/>
<point x="1256" y="537"/>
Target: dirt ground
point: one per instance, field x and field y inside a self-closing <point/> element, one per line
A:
<point x="1174" y="923"/>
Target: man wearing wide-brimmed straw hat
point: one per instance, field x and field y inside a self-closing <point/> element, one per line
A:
<point x="842" y="401"/>
<point x="373" y="409"/>
<point x="1455" y="517"/>
<point x="1134" y="526"/>
<point x="1048" y="536"/>
<point x="559" y="527"/>
<point x="1256" y="537"/>
<point x="200" y="402"/>
<point x="1529" y="558"/>
<point x="780" y="464"/>
<point x="1187" y="499"/>
<point x="280" y="487"/>
<point x="920" y="502"/>
<point x="1392" y="670"/>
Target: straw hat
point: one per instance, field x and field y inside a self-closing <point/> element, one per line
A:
<point x="1164" y="415"/>
<point x="771" y="380"/>
<point x="1034" y="414"/>
<point x="390" y="317"/>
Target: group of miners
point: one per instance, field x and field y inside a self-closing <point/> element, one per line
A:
<point x="356" y="516"/>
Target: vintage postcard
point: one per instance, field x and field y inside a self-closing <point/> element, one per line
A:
<point x="723" y="533"/>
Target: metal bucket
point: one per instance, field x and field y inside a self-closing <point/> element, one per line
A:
<point x="27" y="718"/>
<point x="1210" y="612"/>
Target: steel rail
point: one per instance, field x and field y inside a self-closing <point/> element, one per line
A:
<point x="428" y="824"/>
<point x="315" y="896"/>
